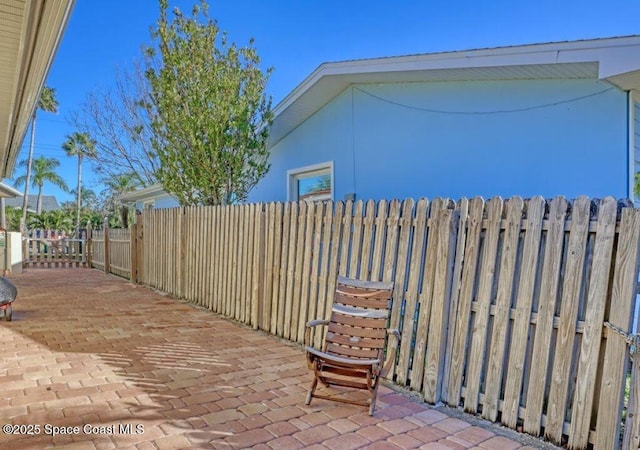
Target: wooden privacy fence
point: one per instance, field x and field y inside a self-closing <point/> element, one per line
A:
<point x="54" y="249"/>
<point x="502" y="304"/>
<point x="112" y="250"/>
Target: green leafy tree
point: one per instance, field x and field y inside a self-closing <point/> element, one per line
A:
<point x="115" y="187"/>
<point x="88" y="199"/>
<point x="80" y="145"/>
<point x="208" y="110"/>
<point x="44" y="171"/>
<point x="13" y="216"/>
<point x="52" y="220"/>
<point x="93" y="217"/>
<point x="46" y="102"/>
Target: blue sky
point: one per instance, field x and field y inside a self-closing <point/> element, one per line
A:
<point x="294" y="37"/>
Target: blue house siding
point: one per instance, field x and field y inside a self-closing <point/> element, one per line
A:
<point x="161" y="201"/>
<point x="520" y="137"/>
<point x="326" y="136"/>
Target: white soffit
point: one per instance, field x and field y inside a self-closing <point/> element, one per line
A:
<point x="30" y="32"/>
<point x="615" y="59"/>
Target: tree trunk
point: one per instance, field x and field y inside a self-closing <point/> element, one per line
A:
<point x="79" y="201"/>
<point x="124" y="216"/>
<point x="25" y="199"/>
<point x="39" y="204"/>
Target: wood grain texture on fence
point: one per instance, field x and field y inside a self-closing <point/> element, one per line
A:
<point x="564" y="348"/>
<point x="485" y="274"/>
<point x="502" y="304"/>
<point x="594" y="316"/>
<point x="444" y="233"/>
<point x="521" y="326"/>
<point x="616" y="359"/>
<point x="501" y="322"/>
<point x="469" y="235"/>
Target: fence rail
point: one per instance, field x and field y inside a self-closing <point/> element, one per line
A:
<point x="54" y="249"/>
<point x="111" y="250"/>
<point x="502" y="304"/>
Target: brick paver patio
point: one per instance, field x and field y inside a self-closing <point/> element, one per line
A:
<point x="106" y="364"/>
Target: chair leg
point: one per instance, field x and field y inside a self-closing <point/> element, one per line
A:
<point x="312" y="389"/>
<point x="374" y="396"/>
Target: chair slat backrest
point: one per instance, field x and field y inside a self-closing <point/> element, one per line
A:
<point x="358" y="323"/>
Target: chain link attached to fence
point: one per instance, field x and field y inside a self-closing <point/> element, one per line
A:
<point x="632" y="340"/>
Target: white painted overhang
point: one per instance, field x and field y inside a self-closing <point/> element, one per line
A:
<point x="140" y="195"/>
<point x="8" y="191"/>
<point x="616" y="60"/>
<point x="30" y="33"/>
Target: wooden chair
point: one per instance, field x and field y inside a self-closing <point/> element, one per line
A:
<point x="353" y="351"/>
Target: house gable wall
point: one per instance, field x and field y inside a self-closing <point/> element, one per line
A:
<point x="453" y="139"/>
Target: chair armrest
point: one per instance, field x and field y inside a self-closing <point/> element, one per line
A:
<point x="307" y="331"/>
<point x="394" y="340"/>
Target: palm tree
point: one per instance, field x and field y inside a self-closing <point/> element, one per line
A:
<point x="52" y="220"/>
<point x="88" y="198"/>
<point x="117" y="186"/>
<point x="44" y="170"/>
<point x="80" y="145"/>
<point x="46" y="102"/>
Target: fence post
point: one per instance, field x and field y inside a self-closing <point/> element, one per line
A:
<point x="88" y="250"/>
<point x="631" y="438"/>
<point x="105" y="228"/>
<point x="24" y="237"/>
<point x="133" y="277"/>
<point x="139" y="247"/>
<point x="257" y="296"/>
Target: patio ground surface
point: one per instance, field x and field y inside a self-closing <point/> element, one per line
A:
<point x="107" y="364"/>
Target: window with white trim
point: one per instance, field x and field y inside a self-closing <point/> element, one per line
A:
<point x="311" y="183"/>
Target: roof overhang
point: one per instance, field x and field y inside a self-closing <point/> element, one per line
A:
<point x="616" y="60"/>
<point x="148" y="193"/>
<point x="30" y="33"/>
<point x="8" y="192"/>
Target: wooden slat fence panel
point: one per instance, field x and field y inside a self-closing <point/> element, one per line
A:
<point x="50" y="249"/>
<point x="523" y="303"/>
<point x="435" y="360"/>
<point x="570" y="301"/>
<point x="464" y="291"/>
<point x="481" y="317"/>
<point x="616" y="357"/>
<point x="412" y="290"/>
<point x="502" y="304"/>
<point x="504" y="294"/>
<point x="582" y="401"/>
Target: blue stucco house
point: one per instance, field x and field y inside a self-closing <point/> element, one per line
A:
<point x="150" y="197"/>
<point x="545" y="119"/>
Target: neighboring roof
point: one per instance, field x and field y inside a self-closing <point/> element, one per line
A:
<point x="616" y="60"/>
<point x="49" y="202"/>
<point x="149" y="193"/>
<point x="8" y="191"/>
<point x="30" y="33"/>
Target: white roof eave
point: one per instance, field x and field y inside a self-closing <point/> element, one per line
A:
<point x="616" y="60"/>
<point x="36" y="29"/>
<point x="150" y="192"/>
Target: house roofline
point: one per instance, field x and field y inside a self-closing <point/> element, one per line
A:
<point x="615" y="59"/>
<point x="146" y="193"/>
<point x="7" y="191"/>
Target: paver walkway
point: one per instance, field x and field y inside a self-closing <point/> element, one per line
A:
<point x="110" y="365"/>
